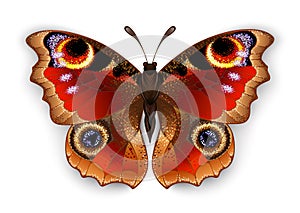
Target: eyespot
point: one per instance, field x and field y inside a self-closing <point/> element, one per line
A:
<point x="212" y="139"/>
<point x="74" y="53"/>
<point x="226" y="52"/>
<point x="88" y="139"/>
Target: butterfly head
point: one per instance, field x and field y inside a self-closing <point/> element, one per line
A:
<point x="148" y="66"/>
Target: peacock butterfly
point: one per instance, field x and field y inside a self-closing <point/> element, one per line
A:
<point x="191" y="100"/>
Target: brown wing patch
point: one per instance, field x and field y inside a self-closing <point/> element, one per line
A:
<point x="177" y="156"/>
<point x="122" y="156"/>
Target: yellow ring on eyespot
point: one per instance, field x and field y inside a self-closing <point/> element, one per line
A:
<point x="69" y="65"/>
<point x="62" y="44"/>
<point x="217" y="63"/>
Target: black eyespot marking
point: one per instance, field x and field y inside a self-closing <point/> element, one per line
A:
<point x="118" y="70"/>
<point x="124" y="68"/>
<point x="181" y="70"/>
<point x="76" y="47"/>
<point x="223" y="46"/>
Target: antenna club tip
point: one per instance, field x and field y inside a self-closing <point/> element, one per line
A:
<point x="129" y="31"/>
<point x="170" y="31"/>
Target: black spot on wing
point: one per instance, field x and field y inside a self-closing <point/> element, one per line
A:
<point x="76" y="47"/>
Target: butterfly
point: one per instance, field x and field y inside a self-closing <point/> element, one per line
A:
<point x="186" y="106"/>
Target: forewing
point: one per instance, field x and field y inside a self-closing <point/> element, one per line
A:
<point x="220" y="75"/>
<point x="79" y="76"/>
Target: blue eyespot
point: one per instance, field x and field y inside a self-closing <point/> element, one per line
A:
<point x="91" y="138"/>
<point x="208" y="138"/>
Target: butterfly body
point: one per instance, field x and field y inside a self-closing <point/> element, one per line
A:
<point x="195" y="96"/>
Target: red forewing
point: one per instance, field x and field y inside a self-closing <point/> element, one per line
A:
<point x="219" y="75"/>
<point x="78" y="74"/>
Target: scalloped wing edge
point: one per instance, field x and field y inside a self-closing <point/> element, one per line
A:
<point x="211" y="168"/>
<point x="241" y="112"/>
<point x="88" y="168"/>
<point x="58" y="113"/>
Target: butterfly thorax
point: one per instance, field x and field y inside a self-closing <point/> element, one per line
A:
<point x="150" y="82"/>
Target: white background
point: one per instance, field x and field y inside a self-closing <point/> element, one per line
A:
<point x="35" y="175"/>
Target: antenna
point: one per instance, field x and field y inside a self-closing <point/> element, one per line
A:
<point x="132" y="33"/>
<point x="167" y="33"/>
